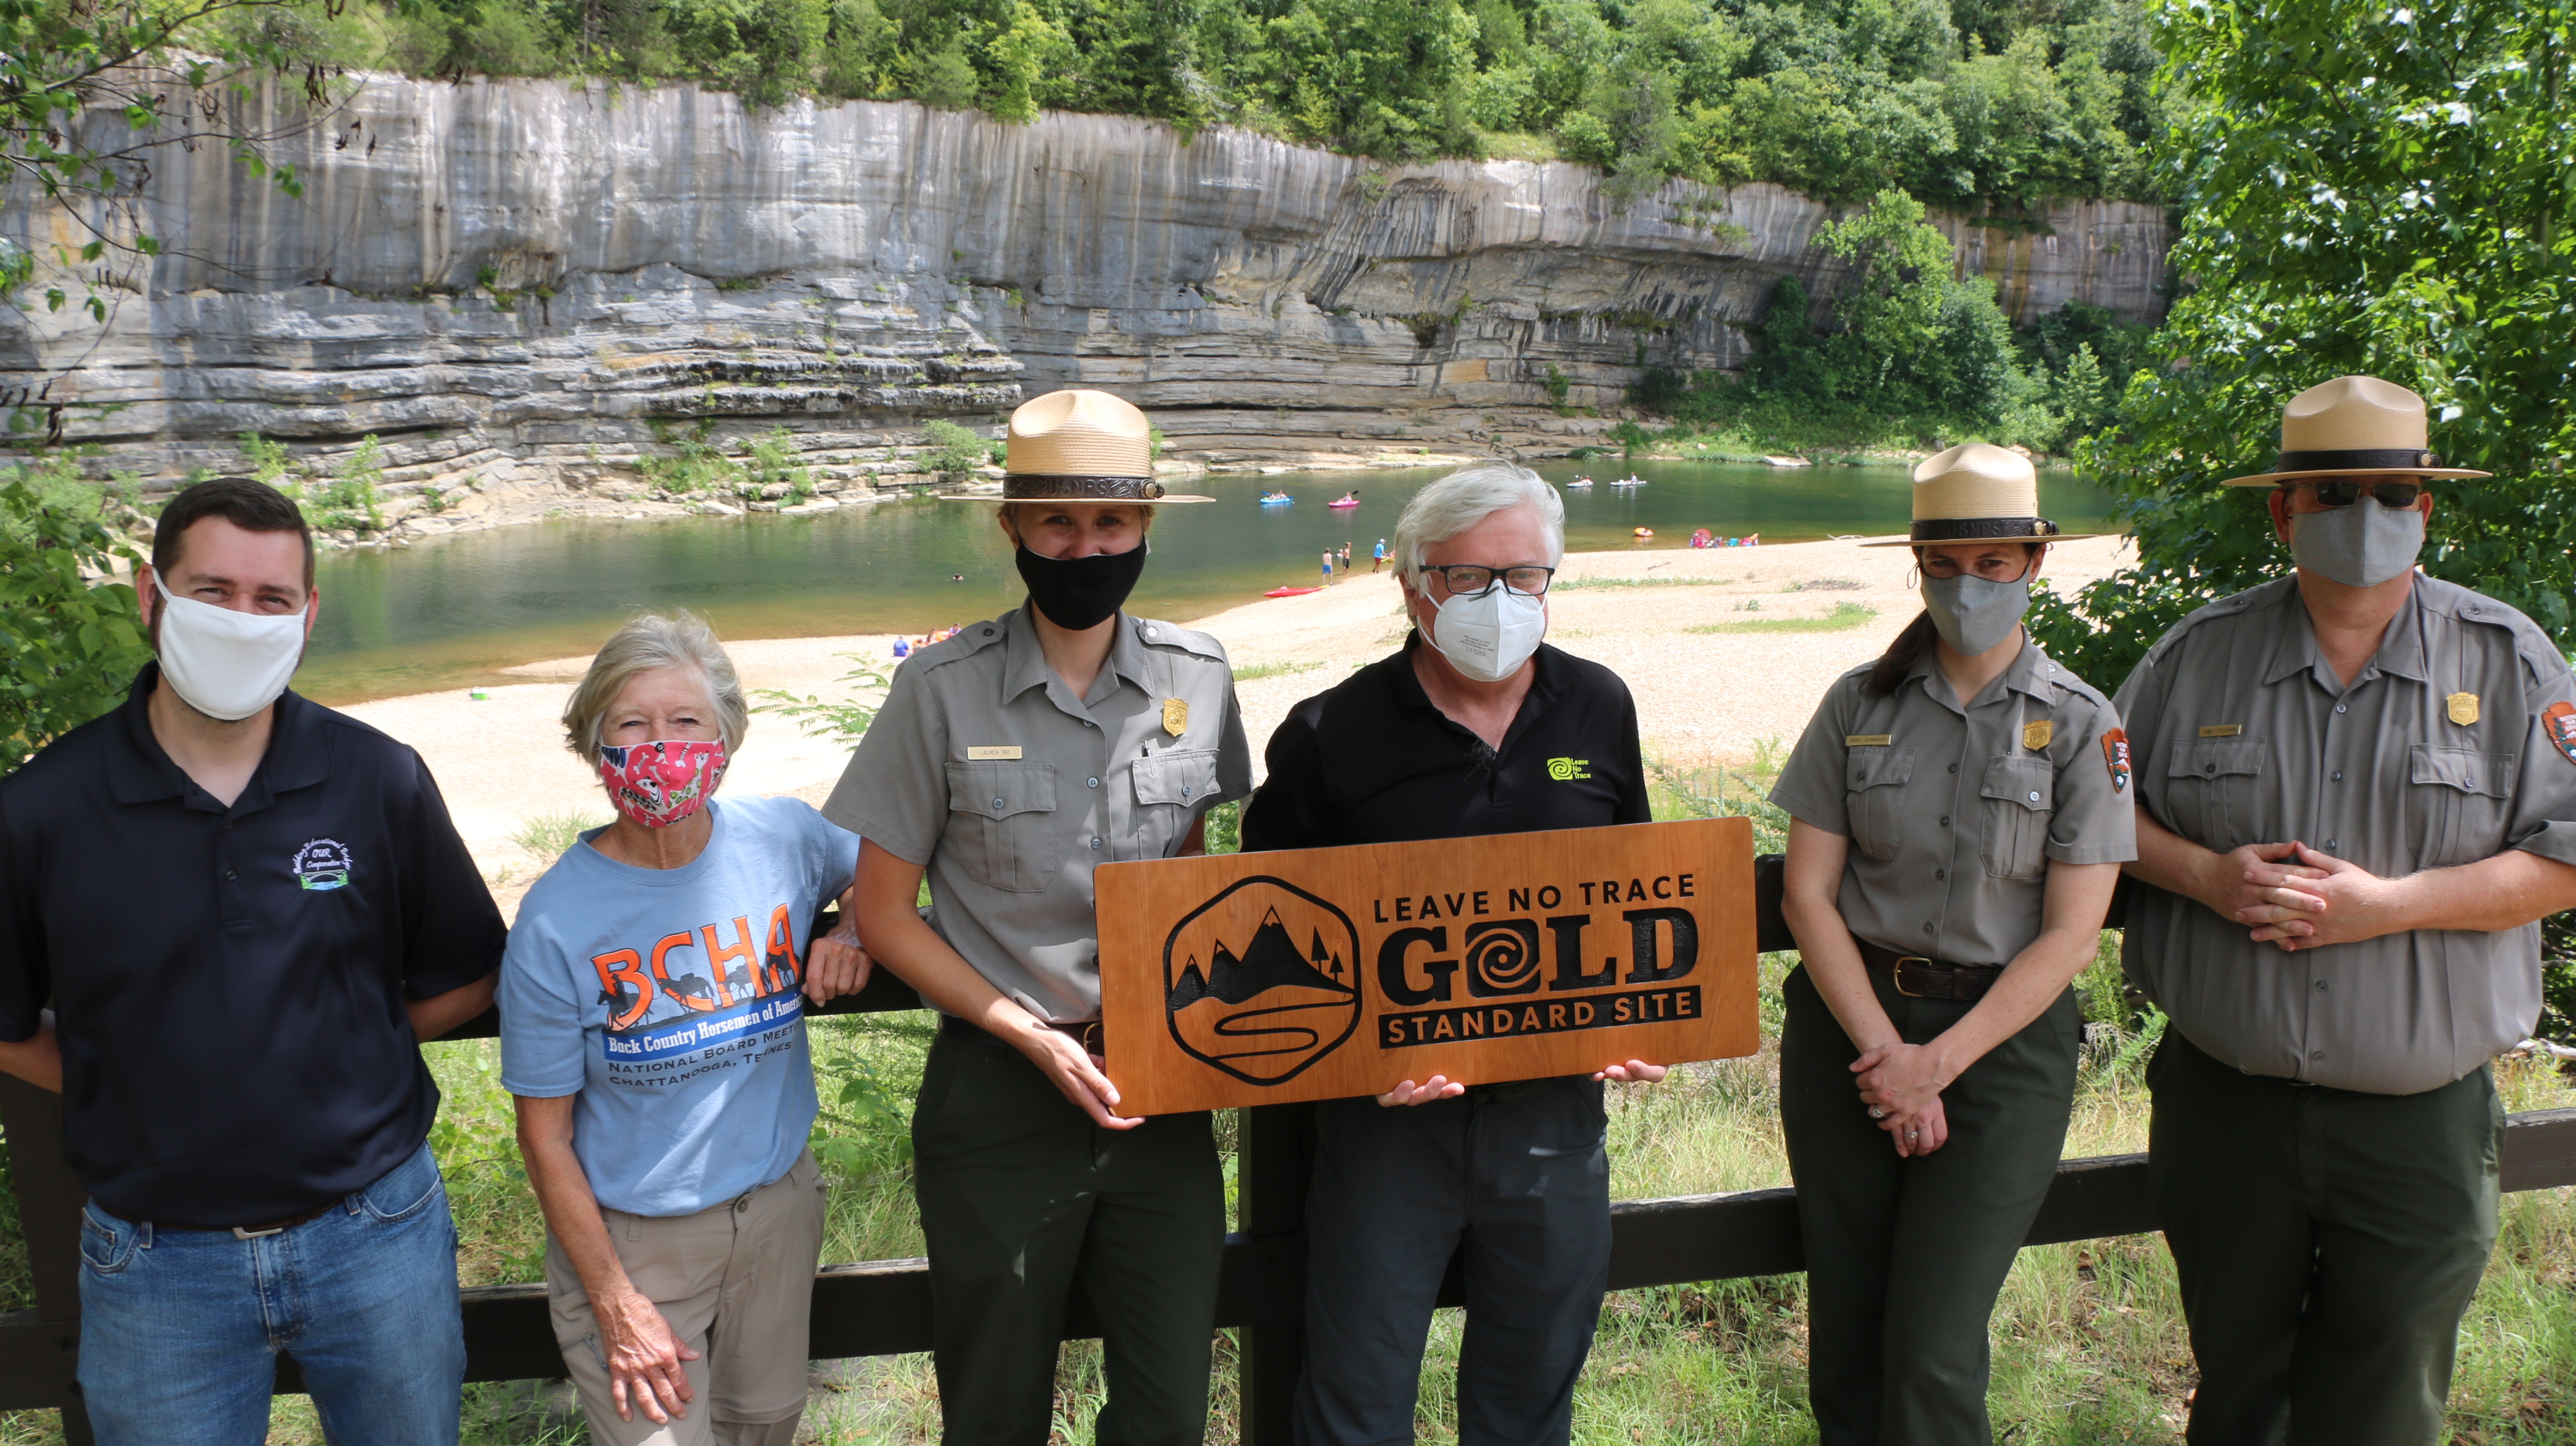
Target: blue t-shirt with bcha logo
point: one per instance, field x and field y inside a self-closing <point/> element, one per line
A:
<point x="665" y="1001"/>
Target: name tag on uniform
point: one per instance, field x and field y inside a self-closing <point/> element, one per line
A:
<point x="2222" y="730"/>
<point x="1868" y="740"/>
<point x="993" y="753"/>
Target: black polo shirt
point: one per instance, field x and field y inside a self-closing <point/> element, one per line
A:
<point x="229" y="983"/>
<point x="1374" y="761"/>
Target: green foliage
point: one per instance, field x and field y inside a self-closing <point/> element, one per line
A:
<point x="549" y="835"/>
<point x="844" y="722"/>
<point x="2368" y="191"/>
<point x="955" y="452"/>
<point x="774" y="462"/>
<point x="1959" y="102"/>
<point x="693" y="464"/>
<point x="68" y="650"/>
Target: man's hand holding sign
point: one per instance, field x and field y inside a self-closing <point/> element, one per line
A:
<point x="1408" y="971"/>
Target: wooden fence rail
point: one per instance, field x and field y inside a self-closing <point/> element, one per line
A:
<point x="879" y="1307"/>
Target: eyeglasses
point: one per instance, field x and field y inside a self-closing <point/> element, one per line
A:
<point x="1468" y="580"/>
<point x="2343" y="492"/>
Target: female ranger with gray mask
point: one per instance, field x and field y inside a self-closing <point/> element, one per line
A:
<point x="1959" y="813"/>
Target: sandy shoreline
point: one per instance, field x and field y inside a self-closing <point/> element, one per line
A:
<point x="1660" y="619"/>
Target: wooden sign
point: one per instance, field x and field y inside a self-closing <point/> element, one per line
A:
<point x="1310" y="974"/>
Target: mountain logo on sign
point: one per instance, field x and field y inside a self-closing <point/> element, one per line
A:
<point x="1243" y="994"/>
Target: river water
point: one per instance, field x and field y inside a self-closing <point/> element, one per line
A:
<point x="451" y="612"/>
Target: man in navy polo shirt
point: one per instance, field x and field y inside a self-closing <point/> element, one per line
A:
<point x="246" y="911"/>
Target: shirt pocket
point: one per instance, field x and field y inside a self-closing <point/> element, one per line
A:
<point x="1001" y="823"/>
<point x="2020" y="800"/>
<point x="2456" y="804"/>
<point x="1171" y="788"/>
<point x="1874" y="782"/>
<point x="2210" y="788"/>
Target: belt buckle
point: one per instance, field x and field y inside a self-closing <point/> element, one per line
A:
<point x="1896" y="975"/>
<point x="241" y="1234"/>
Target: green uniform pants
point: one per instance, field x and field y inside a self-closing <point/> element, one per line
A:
<point x="1021" y="1194"/>
<point x="1904" y="1257"/>
<point x="2327" y="1241"/>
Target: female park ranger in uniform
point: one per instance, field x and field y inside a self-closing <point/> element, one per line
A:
<point x="1959" y="813"/>
<point x="1009" y="761"/>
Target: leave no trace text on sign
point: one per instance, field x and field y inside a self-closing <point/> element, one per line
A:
<point x="1321" y="973"/>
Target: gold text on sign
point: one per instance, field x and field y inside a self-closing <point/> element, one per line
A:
<point x="2222" y="730"/>
<point x="993" y="753"/>
<point x="1868" y="740"/>
<point x="2464" y="708"/>
<point x="2035" y="736"/>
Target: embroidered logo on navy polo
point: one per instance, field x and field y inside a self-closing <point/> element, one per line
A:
<point x="322" y="863"/>
<point x="1569" y="770"/>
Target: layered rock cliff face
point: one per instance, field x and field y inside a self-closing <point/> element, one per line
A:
<point x="551" y="280"/>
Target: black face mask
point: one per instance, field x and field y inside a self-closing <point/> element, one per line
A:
<point x="1080" y="592"/>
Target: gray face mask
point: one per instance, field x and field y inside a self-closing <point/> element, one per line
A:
<point x="2362" y="545"/>
<point x="1974" y="615"/>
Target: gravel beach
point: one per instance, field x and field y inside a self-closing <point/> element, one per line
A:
<point x="1695" y="633"/>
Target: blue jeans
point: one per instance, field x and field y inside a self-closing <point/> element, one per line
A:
<point x="180" y="1328"/>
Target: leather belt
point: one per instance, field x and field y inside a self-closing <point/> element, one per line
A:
<point x="1916" y="977"/>
<point x="245" y="1232"/>
<point x="1087" y="1033"/>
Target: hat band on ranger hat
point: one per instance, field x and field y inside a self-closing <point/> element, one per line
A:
<point x="1977" y="529"/>
<point x="1063" y="486"/>
<point x="2357" y="459"/>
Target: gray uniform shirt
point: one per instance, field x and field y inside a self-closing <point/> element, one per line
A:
<point x="984" y="766"/>
<point x="1953" y="813"/>
<point x="2243" y="735"/>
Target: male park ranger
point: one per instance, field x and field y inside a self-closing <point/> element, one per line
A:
<point x="1010" y="761"/>
<point x="2357" y="791"/>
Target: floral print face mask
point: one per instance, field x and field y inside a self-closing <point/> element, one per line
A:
<point x="660" y="783"/>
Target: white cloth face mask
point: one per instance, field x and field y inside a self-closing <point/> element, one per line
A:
<point x="224" y="664"/>
<point x="1488" y="636"/>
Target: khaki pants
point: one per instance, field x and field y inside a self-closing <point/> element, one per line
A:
<point x="736" y="1282"/>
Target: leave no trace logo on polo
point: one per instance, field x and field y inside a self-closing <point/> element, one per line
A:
<point x="322" y="863"/>
<point x="1262" y="980"/>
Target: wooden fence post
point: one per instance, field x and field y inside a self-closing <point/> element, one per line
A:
<point x="49" y="1208"/>
<point x="1276" y="1147"/>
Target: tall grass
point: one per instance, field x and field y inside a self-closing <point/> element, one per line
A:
<point x="2089" y="1344"/>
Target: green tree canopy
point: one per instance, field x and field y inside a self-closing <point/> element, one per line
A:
<point x="2366" y="190"/>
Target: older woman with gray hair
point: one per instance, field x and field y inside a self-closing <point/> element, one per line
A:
<point x="1475" y="727"/>
<point x="653" y="1033"/>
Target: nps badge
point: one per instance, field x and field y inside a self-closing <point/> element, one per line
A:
<point x="2115" y="756"/>
<point x="2558" y="721"/>
<point x="2464" y="708"/>
<point x="1176" y="716"/>
<point x="2035" y="736"/>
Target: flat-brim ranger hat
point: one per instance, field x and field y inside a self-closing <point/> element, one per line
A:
<point x="1976" y="493"/>
<point x="1080" y="446"/>
<point x="2353" y="427"/>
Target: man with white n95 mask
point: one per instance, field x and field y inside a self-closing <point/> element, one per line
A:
<point x="245" y="911"/>
<point x="1475" y="728"/>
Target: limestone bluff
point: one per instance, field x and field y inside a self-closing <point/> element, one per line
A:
<point x="522" y="281"/>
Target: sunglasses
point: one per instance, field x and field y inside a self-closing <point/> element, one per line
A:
<point x="2343" y="492"/>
